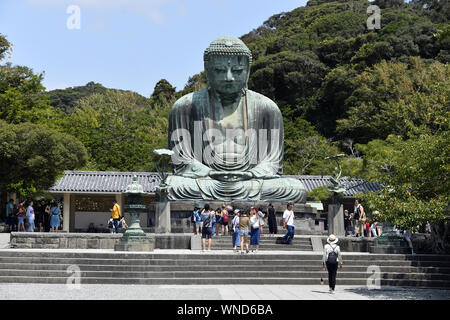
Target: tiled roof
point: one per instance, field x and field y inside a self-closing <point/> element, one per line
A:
<point x="116" y="182"/>
<point x="103" y="181"/>
<point x="353" y="186"/>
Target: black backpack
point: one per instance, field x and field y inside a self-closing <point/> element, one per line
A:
<point x="332" y="256"/>
<point x="357" y="213"/>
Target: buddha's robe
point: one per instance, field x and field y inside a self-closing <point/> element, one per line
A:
<point x="259" y="119"/>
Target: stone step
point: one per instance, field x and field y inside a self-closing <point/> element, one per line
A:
<point x="227" y="281"/>
<point x="211" y="274"/>
<point x="215" y="268"/>
<point x="265" y="248"/>
<point x="255" y="259"/>
<point x="199" y="255"/>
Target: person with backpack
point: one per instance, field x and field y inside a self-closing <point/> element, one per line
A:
<point x="244" y="222"/>
<point x="331" y="258"/>
<point x="224" y="215"/>
<point x="197" y="219"/>
<point x="207" y="218"/>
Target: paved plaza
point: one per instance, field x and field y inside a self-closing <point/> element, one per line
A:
<point x="213" y="292"/>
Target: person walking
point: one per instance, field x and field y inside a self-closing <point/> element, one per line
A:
<point x="115" y="215"/>
<point x="235" y="229"/>
<point x="55" y="222"/>
<point x="288" y="223"/>
<point x="244" y="222"/>
<point x="272" y="220"/>
<point x="30" y="217"/>
<point x="207" y="218"/>
<point x="21" y="217"/>
<point x="331" y="258"/>
<point x="255" y="229"/>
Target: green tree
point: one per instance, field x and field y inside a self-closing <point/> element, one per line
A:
<point x="21" y="96"/>
<point x="398" y="98"/>
<point x="415" y="174"/>
<point x="65" y="99"/>
<point x="119" y="130"/>
<point x="33" y="156"/>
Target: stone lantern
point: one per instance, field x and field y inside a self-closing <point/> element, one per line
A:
<point x="134" y="238"/>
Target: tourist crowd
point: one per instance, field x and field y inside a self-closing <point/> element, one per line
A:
<point x="28" y="216"/>
<point x="245" y="226"/>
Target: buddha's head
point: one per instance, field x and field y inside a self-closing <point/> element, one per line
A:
<point x="227" y="65"/>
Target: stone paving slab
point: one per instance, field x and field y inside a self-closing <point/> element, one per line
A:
<point x="213" y="292"/>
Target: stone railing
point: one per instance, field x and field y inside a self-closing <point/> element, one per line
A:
<point x="62" y="240"/>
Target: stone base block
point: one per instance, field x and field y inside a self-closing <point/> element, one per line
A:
<point x="134" y="246"/>
<point x="391" y="250"/>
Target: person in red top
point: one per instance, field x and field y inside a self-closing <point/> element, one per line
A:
<point x="368" y="232"/>
<point x="20" y="216"/>
<point x="224" y="215"/>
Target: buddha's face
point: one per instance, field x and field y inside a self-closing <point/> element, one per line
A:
<point x="227" y="74"/>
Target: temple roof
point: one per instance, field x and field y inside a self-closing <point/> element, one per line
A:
<point x="117" y="182"/>
<point x="103" y="181"/>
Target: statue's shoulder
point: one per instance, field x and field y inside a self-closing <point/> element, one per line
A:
<point x="188" y="100"/>
<point x="263" y="100"/>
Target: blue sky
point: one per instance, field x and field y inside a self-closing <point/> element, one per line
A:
<point x="126" y="44"/>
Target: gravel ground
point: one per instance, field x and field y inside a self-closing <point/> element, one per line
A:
<point x="211" y="292"/>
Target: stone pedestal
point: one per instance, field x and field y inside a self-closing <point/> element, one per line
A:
<point x="162" y="213"/>
<point x="139" y="244"/>
<point x="135" y="239"/>
<point x="391" y="242"/>
<point x="336" y="220"/>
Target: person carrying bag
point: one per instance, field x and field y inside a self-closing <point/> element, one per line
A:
<point x="331" y="258"/>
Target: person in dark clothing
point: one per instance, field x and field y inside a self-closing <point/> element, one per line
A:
<point x="331" y="259"/>
<point x="46" y="217"/>
<point x="347" y="223"/>
<point x="272" y="220"/>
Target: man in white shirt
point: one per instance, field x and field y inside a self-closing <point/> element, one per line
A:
<point x="288" y="223"/>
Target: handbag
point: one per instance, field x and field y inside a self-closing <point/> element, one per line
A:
<point x="285" y="223"/>
<point x="256" y="224"/>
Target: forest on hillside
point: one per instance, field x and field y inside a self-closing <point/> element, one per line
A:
<point x="379" y="96"/>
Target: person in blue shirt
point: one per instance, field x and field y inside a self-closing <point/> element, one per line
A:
<point x="197" y="219"/>
<point x="55" y="222"/>
<point x="9" y="213"/>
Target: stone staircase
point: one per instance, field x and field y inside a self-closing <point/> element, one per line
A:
<point x="267" y="242"/>
<point x="219" y="267"/>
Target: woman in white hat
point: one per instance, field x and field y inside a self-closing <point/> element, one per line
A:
<point x="331" y="258"/>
